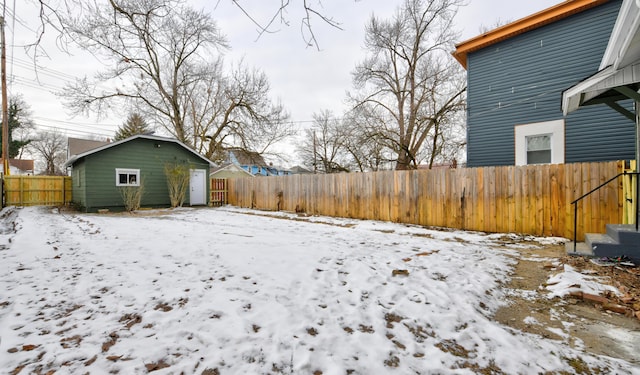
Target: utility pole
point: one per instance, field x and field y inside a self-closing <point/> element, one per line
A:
<point x="5" y="114"/>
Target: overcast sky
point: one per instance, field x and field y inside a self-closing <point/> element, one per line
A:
<point x="306" y="80"/>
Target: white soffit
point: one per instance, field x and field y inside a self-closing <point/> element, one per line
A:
<point x="598" y="84"/>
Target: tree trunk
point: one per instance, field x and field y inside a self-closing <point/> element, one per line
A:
<point x="404" y="161"/>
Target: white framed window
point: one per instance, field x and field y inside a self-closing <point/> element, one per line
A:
<point x="540" y="143"/>
<point x="127" y="177"/>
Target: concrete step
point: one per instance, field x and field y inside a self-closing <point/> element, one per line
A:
<point x="604" y="245"/>
<point x="624" y="234"/>
<point x="581" y="249"/>
<point x="596" y="239"/>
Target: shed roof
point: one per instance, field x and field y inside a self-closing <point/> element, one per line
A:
<point x="534" y="21"/>
<point x="230" y="167"/>
<point x="75" y="158"/>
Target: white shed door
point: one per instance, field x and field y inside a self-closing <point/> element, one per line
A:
<point x="198" y="187"/>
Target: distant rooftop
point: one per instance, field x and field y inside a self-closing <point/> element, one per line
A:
<point x="243" y="157"/>
<point x="77" y="146"/>
<point x="23" y="165"/>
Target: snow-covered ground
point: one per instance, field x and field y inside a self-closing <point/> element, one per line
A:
<point x="231" y="291"/>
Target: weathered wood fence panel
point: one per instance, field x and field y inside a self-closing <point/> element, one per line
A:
<point x="219" y="191"/>
<point x="525" y="199"/>
<point x="37" y="190"/>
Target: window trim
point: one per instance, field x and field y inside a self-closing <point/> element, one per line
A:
<point x="554" y="128"/>
<point x="127" y="171"/>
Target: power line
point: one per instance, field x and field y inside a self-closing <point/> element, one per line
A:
<point x="35" y="85"/>
<point x="75" y="122"/>
<point x="20" y="21"/>
<point x="49" y="71"/>
<point x="75" y="131"/>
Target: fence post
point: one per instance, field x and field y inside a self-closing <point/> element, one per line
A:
<point x="21" y="199"/>
<point x="575" y="226"/>
<point x="637" y="198"/>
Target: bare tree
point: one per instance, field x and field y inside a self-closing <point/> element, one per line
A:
<point x="447" y="141"/>
<point x="349" y="143"/>
<point x="409" y="81"/>
<point x="364" y="143"/>
<point x="235" y="109"/>
<point x="324" y="145"/>
<point x="53" y="16"/>
<point x="50" y="147"/>
<point x="311" y="10"/>
<point x="167" y="51"/>
<point x="158" y="48"/>
<point x="494" y="25"/>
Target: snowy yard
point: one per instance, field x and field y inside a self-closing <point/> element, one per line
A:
<point x="230" y="291"/>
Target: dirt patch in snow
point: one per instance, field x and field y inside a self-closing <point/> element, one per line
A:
<point x="578" y="322"/>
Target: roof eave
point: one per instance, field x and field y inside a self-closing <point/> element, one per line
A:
<point x="75" y="158"/>
<point x="620" y="65"/>
<point x="534" y="21"/>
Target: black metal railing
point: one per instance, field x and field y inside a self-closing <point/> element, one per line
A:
<point x="575" y="203"/>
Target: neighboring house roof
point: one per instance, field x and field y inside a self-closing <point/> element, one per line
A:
<point x="619" y="75"/>
<point x="299" y="170"/>
<point x="534" y="21"/>
<point x="22" y="165"/>
<point x="75" y="158"/>
<point x="233" y="168"/>
<point x="76" y="146"/>
<point x="253" y="163"/>
<point x="243" y="157"/>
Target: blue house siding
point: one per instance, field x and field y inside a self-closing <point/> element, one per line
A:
<point x="264" y="171"/>
<point x="520" y="81"/>
<point x="253" y="163"/>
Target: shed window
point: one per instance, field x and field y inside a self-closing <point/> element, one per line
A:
<point x="127" y="177"/>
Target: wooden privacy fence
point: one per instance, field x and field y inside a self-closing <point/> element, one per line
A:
<point x="37" y="190"/>
<point x="219" y="192"/>
<point x="525" y="199"/>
